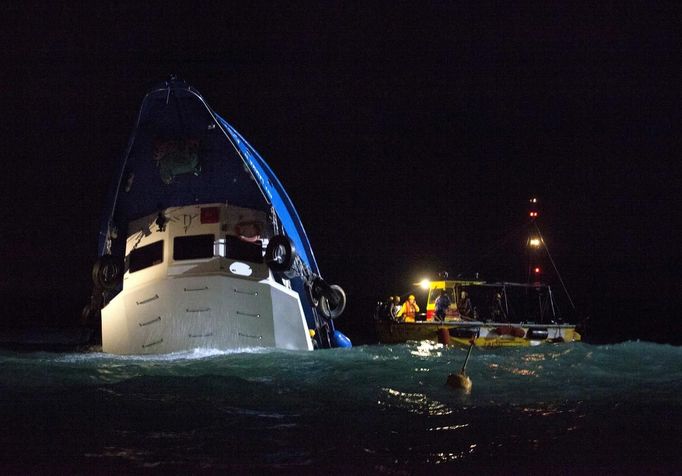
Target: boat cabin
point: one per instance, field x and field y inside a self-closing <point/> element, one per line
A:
<point x="197" y="240"/>
<point x="493" y="302"/>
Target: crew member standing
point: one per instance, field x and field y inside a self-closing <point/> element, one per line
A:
<point x="409" y="309"/>
<point x="395" y="308"/>
<point x="442" y="305"/>
<point x="464" y="306"/>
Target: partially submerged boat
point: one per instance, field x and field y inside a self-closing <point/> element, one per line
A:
<point x="201" y="246"/>
<point x="502" y="314"/>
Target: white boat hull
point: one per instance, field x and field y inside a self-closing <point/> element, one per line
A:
<point x="218" y="312"/>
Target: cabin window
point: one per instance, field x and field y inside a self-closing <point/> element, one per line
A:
<point x="193" y="247"/>
<point x="237" y="249"/>
<point x="146" y="256"/>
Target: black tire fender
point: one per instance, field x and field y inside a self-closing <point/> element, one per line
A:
<point x="107" y="272"/>
<point x="333" y="303"/>
<point x="280" y="254"/>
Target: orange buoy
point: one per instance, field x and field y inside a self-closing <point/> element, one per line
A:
<point x="461" y="380"/>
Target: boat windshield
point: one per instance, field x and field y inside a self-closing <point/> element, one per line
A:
<point x="435" y="292"/>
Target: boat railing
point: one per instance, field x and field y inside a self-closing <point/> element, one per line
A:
<point x="479" y="324"/>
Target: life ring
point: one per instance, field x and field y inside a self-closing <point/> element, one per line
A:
<point x="333" y="303"/>
<point x="107" y="272"/>
<point x="280" y="254"/>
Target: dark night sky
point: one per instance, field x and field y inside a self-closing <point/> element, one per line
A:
<point x="409" y="139"/>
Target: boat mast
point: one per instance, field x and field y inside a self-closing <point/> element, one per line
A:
<point x="533" y="243"/>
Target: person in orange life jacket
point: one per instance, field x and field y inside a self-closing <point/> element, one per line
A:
<point x="409" y="309"/>
<point x="442" y="305"/>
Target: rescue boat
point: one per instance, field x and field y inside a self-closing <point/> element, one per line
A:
<point x="501" y="314"/>
<point x="200" y="245"/>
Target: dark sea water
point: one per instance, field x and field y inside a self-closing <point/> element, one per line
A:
<point x="561" y="409"/>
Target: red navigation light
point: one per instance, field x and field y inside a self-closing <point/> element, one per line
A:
<point x="533" y="214"/>
<point x="210" y="215"/>
<point x="536" y="270"/>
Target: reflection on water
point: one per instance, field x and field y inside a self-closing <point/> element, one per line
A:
<point x="440" y="458"/>
<point x="413" y="402"/>
<point x="426" y="349"/>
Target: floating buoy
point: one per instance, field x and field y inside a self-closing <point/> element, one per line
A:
<point x="462" y="380"/>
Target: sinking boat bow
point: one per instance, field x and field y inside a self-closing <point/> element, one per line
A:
<point x="186" y="171"/>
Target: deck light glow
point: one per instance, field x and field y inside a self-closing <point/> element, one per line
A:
<point x="425" y="283"/>
<point x="534" y="242"/>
